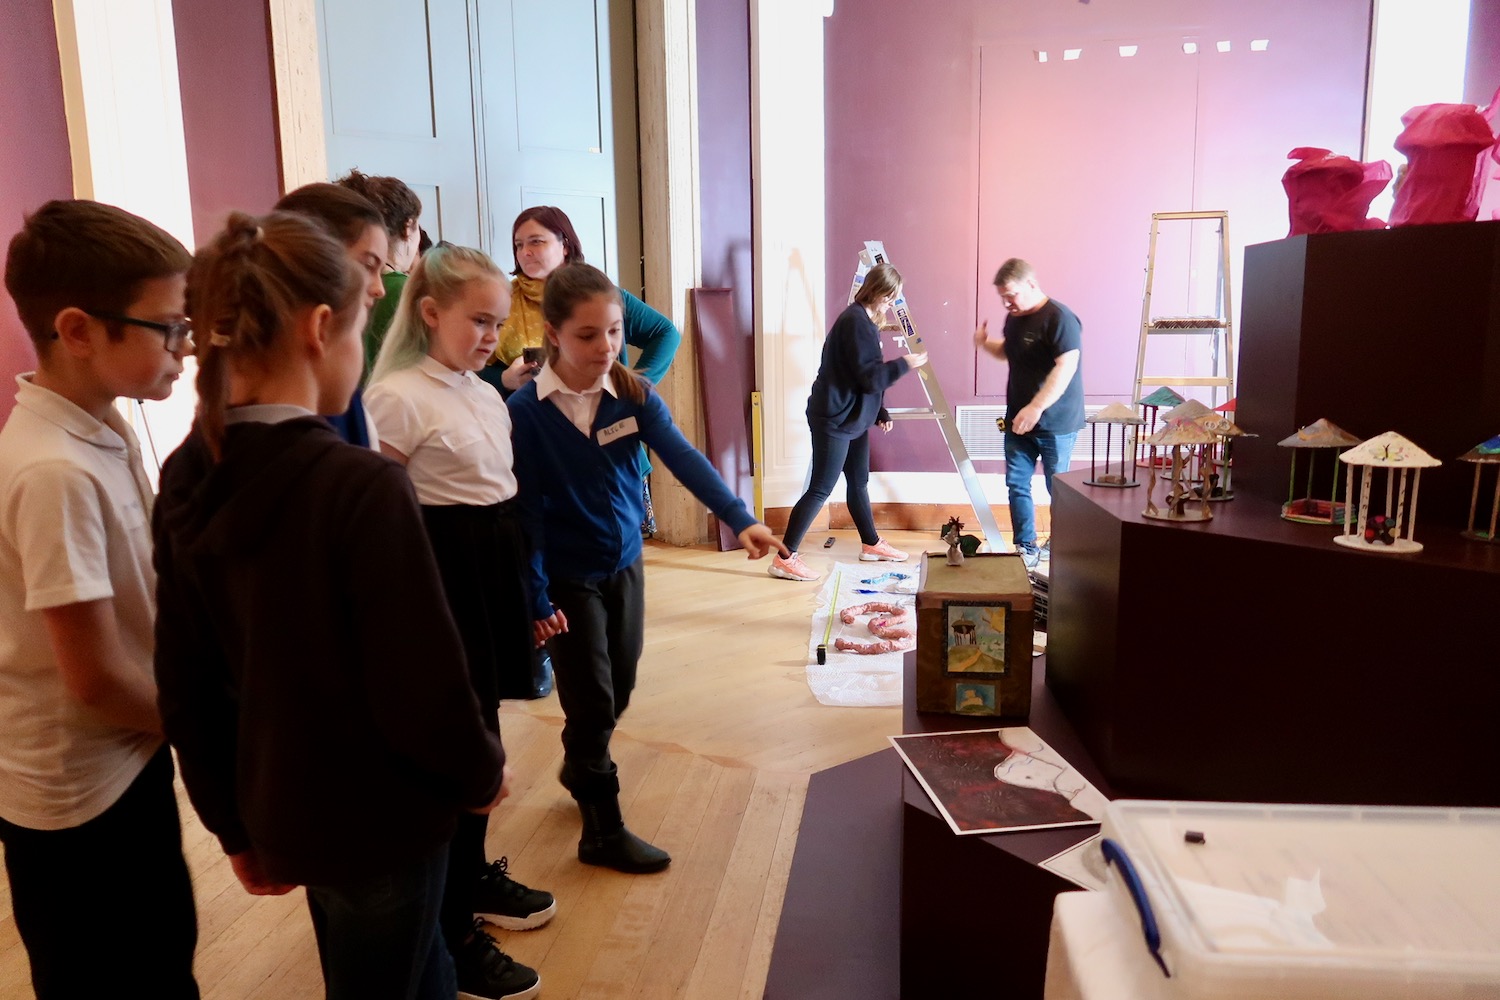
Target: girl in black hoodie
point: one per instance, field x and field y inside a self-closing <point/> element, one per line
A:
<point x="310" y="675"/>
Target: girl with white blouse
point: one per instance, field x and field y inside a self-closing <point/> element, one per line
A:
<point x="452" y="431"/>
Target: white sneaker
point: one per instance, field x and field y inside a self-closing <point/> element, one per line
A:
<point x="792" y="568"/>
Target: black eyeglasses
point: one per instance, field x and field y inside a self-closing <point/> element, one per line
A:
<point x="177" y="334"/>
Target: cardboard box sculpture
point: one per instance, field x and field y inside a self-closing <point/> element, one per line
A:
<point x="974" y="625"/>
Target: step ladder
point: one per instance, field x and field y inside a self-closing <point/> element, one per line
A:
<point x="937" y="408"/>
<point x="1218" y="328"/>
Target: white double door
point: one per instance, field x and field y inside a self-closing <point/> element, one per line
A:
<point x="487" y="107"/>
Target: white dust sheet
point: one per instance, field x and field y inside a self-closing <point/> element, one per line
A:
<point x="858" y="679"/>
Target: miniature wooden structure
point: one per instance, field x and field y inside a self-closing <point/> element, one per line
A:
<point x="1396" y="457"/>
<point x="1150" y="411"/>
<point x="1308" y="509"/>
<point x="974" y="632"/>
<point x="1216" y="485"/>
<point x="1177" y="435"/>
<point x="1481" y="455"/>
<point x="1190" y="409"/>
<point x="1125" y="416"/>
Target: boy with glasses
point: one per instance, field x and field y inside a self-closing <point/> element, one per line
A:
<point x="85" y="777"/>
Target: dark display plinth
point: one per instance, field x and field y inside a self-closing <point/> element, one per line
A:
<point x="1383" y="330"/>
<point x="976" y="910"/>
<point x="1252" y="659"/>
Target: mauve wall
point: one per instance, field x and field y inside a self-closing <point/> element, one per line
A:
<point x="36" y="169"/>
<point x="724" y="154"/>
<point x="1482" y="74"/>
<point x="228" y="108"/>
<point x="947" y="140"/>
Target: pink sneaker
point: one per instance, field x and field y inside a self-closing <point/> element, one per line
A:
<point x="791" y="569"/>
<point x="881" y="551"/>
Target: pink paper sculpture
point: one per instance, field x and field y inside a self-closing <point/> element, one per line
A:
<point x="1487" y="174"/>
<point x="1327" y="193"/>
<point x="1442" y="144"/>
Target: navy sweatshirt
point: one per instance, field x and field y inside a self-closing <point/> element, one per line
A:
<point x="581" y="500"/>
<point x="846" y="395"/>
<point x="309" y="671"/>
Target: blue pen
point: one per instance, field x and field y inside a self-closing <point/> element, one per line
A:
<point x="1115" y="855"/>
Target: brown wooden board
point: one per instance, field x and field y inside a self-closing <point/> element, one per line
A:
<point x="974" y="632"/>
<point x="724" y="385"/>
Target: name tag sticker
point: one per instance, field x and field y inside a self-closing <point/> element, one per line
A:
<point x="618" y="430"/>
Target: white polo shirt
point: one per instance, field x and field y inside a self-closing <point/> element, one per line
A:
<point x="579" y="407"/>
<point x="75" y="513"/>
<point x="454" y="430"/>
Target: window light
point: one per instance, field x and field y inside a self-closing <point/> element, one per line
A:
<point x="1070" y="54"/>
<point x="1041" y="55"/>
<point x="1259" y="44"/>
<point x="1189" y="47"/>
<point x="1222" y="46"/>
<point x="1126" y="51"/>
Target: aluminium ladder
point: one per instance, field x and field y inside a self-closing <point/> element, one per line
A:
<point x="1218" y="328"/>
<point x="937" y="408"/>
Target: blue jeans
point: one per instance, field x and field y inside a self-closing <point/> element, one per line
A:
<point x="1022" y="452"/>
<point x="831" y="456"/>
<point x="378" y="937"/>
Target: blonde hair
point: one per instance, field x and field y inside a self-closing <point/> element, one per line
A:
<point x="567" y="287"/>
<point x="441" y="273"/>
<point x="244" y="290"/>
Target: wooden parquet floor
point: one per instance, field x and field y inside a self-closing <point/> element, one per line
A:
<point x="714" y="757"/>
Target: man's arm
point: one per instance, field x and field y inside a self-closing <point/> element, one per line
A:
<point x="994" y="348"/>
<point x="1064" y="367"/>
<point x="86" y="641"/>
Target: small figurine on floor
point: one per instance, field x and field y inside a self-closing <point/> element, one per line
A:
<point x="952" y="534"/>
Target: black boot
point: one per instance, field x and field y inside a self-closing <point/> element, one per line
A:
<point x="607" y="843"/>
<point x="541" y="673"/>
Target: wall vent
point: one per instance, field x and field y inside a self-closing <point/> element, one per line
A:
<point x="985" y="441"/>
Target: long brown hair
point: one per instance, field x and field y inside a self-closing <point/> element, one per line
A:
<point x="567" y="287"/>
<point x="245" y="288"/>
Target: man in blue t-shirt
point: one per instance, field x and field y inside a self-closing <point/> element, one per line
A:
<point x="1042" y="341"/>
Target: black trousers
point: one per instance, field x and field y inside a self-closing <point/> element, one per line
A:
<point x="594" y="664"/>
<point x="127" y="861"/>
<point x="482" y="556"/>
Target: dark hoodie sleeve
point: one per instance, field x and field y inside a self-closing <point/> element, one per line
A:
<point x="194" y="686"/>
<point x="416" y="679"/>
<point x="872" y="373"/>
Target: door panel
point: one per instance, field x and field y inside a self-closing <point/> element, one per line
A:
<point x="397" y="100"/>
<point x="545" y="70"/>
<point x="487" y="107"/>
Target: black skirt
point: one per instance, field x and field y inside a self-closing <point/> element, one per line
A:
<point x="482" y="555"/>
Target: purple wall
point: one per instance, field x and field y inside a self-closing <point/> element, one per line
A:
<point x="33" y="171"/>
<point x="724" y="153"/>
<point x="1482" y="74"/>
<point x="228" y="108"/>
<point x="971" y="151"/>
<point x="725" y="221"/>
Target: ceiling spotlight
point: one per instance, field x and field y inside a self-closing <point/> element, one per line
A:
<point x="1126" y="51"/>
<point x="1259" y="44"/>
<point x="1222" y="46"/>
<point x="1070" y="54"/>
<point x="1189" y="47"/>
<point x="1041" y="55"/>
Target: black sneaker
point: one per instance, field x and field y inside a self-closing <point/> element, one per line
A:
<point x="507" y="903"/>
<point x="487" y="973"/>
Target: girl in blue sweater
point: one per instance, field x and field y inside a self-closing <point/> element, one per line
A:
<point x="577" y="431"/>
